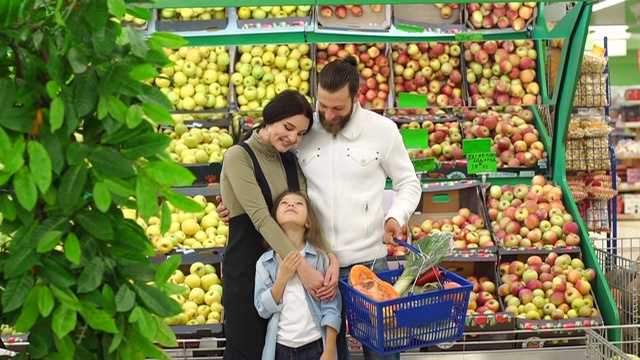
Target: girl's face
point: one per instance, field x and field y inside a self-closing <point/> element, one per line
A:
<point x="292" y="209"/>
<point x="285" y="134"/>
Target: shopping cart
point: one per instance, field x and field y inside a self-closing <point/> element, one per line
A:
<point x="408" y="322"/>
<point x="620" y="260"/>
<point x="599" y="348"/>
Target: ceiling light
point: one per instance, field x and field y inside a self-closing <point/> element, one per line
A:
<point x="605" y="4"/>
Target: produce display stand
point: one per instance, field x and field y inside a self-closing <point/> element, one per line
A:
<point x="572" y="29"/>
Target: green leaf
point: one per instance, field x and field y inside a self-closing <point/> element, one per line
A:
<point x="85" y="94"/>
<point x="52" y="88"/>
<point x="95" y="223"/>
<point x="72" y="249"/>
<point x="66" y="297"/>
<point x="172" y="289"/>
<point x="7" y="208"/>
<point x="144" y="345"/>
<point x="117" y="338"/>
<point x="25" y="188"/>
<point x="98" y="319"/>
<point x="20" y="261"/>
<point x="167" y="268"/>
<point x="91" y="276"/>
<point x="29" y="312"/>
<point x="157" y="114"/>
<point x="66" y="347"/>
<point x="165" y="336"/>
<point x="145" y="323"/>
<point x="77" y="153"/>
<point x="77" y="61"/>
<point x="147" y="146"/>
<point x="182" y="202"/>
<point x="97" y="15"/>
<point x="103" y="109"/>
<point x="119" y="187"/>
<point x="108" y="299"/>
<point x="40" y="165"/>
<point x="7" y="93"/>
<point x="169" y="173"/>
<point x="16" y="292"/>
<point x="138" y="44"/>
<point x="101" y="196"/>
<point x="140" y="13"/>
<point x="134" y="116"/>
<point x="56" y="113"/>
<point x="54" y="273"/>
<point x="152" y="95"/>
<point x="118" y="7"/>
<point x="17" y="119"/>
<point x="71" y="187"/>
<point x="168" y="40"/>
<point x="165" y="220"/>
<point x="5" y="143"/>
<point x="49" y="241"/>
<point x="104" y="40"/>
<point x="125" y="298"/>
<point x="15" y="157"/>
<point x="53" y="148"/>
<point x="46" y="301"/>
<point x="117" y="109"/>
<point x="63" y="321"/>
<point x="146" y="197"/>
<point x="143" y="72"/>
<point x="157" y="302"/>
<point x="111" y="162"/>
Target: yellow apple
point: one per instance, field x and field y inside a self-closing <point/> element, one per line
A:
<point x="211" y="297"/>
<point x="209" y="280"/>
<point x="197" y="295"/>
<point x="197" y="268"/>
<point x="189" y="304"/>
<point x="192" y="280"/>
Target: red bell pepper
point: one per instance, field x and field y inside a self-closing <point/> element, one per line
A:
<point x="431" y="275"/>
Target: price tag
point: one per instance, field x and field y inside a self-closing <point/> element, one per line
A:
<point x="598" y="50"/>
<point x="408" y="100"/>
<point x="470" y="146"/>
<point x="415" y="138"/>
<point x="481" y="162"/>
<point x="424" y="164"/>
<point x="469" y="37"/>
<point x="410" y="28"/>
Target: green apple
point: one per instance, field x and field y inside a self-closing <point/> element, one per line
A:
<point x="210" y="76"/>
<point x="257" y="72"/>
<point x="167" y="13"/>
<point x="237" y="79"/>
<point x="250" y="92"/>
<point x="292" y="65"/>
<point x="216" y="157"/>
<point x="245" y="70"/>
<point x="221" y="102"/>
<point x="244" y="13"/>
<point x="223" y="80"/>
<point x="248" y="81"/>
<point x="223" y="60"/>
<point x="245" y="58"/>
<point x="189" y="68"/>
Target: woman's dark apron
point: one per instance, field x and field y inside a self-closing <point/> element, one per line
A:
<point x="245" y="330"/>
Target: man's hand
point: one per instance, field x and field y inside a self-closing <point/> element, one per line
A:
<point x="222" y="210"/>
<point x="311" y="278"/>
<point x="330" y="286"/>
<point x="392" y="229"/>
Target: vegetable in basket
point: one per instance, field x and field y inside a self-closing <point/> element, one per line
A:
<point x="435" y="246"/>
<point x="367" y="282"/>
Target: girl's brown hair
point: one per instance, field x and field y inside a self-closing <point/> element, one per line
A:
<point x="313" y="234"/>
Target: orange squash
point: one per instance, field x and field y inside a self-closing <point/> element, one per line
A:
<point x="368" y="283"/>
<point x="451" y="285"/>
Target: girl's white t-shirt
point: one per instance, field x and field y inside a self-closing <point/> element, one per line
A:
<point x="296" y="326"/>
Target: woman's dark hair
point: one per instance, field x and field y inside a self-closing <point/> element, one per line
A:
<point x="338" y="73"/>
<point x="284" y="105"/>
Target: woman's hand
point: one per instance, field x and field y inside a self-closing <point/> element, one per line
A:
<point x="222" y="210"/>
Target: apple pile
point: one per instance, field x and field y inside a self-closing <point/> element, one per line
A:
<point x="469" y="229"/>
<point x="514" y="139"/>
<point x="500" y="15"/>
<point x="198" y="145"/>
<point x="446" y="9"/>
<point x="502" y="72"/>
<point x="483" y="298"/>
<point x="262" y="72"/>
<point x="554" y="289"/>
<point x="191" y="14"/>
<point x="373" y="64"/>
<point x="272" y="12"/>
<point x="344" y="11"/>
<point x="187" y="230"/>
<point x="201" y="301"/>
<point x="199" y="78"/>
<point x="130" y="19"/>
<point x="445" y="140"/>
<point x="531" y="216"/>
<point x="432" y="69"/>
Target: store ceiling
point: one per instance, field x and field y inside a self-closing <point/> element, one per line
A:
<point x="627" y="11"/>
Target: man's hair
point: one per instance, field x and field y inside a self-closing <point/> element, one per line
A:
<point x="338" y="73"/>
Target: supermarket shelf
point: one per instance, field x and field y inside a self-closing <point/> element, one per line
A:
<point x="628" y="217"/>
<point x="630" y="103"/>
<point x="629" y="125"/>
<point x="627" y="157"/>
<point x="624" y="187"/>
<point x="223" y="3"/>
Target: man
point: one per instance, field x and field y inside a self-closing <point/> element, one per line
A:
<point x="346" y="162"/>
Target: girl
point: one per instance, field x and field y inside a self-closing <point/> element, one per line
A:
<point x="254" y="172"/>
<point x="300" y="327"/>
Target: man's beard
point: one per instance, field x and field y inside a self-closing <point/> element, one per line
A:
<point x="337" y="126"/>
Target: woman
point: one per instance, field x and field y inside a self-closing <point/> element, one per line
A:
<point x="254" y="174"/>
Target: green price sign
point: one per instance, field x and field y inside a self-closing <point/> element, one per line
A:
<point x="408" y="100"/>
<point x="469" y="37"/>
<point x="415" y="138"/>
<point x="470" y="146"/>
<point x="481" y="162"/>
<point x="424" y="164"/>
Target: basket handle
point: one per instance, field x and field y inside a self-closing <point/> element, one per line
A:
<point x="408" y="246"/>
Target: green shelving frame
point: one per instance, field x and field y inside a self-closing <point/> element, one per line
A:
<point x="573" y="28"/>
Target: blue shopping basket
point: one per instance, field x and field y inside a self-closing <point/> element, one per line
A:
<point x="408" y="322"/>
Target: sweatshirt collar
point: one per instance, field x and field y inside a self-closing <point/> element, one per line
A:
<point x="354" y="126"/>
<point x="260" y="146"/>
